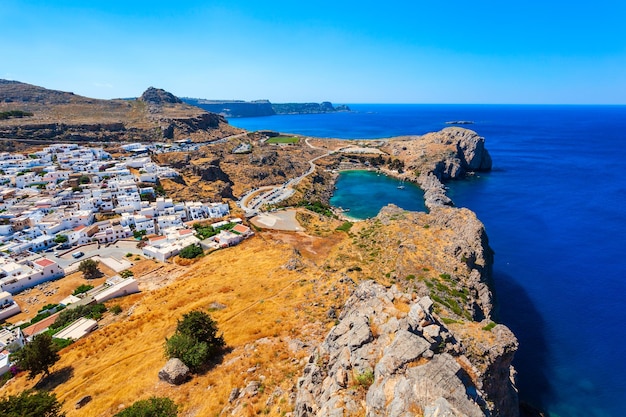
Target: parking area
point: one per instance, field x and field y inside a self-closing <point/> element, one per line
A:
<point x="117" y="251"/>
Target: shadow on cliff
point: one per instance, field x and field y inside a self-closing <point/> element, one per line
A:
<point x="515" y="309"/>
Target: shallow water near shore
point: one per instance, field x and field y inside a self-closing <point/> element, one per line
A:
<point x="363" y="193"/>
<point x="553" y="207"/>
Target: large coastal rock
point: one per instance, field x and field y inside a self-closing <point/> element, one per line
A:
<point x="434" y="158"/>
<point x="390" y="355"/>
<point x="469" y="155"/>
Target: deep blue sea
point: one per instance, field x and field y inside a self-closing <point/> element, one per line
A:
<point x="554" y="206"/>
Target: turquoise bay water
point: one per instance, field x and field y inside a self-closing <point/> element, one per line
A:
<point x="554" y="209"/>
<point x="364" y="193"/>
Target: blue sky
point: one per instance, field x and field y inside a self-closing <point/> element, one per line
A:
<point x="343" y="51"/>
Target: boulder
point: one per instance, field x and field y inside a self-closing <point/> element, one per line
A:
<point x="82" y="402"/>
<point x="174" y="372"/>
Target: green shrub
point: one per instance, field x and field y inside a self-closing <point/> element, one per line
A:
<point x="447" y="320"/>
<point x="60" y="239"/>
<point x="490" y="326"/>
<point x="192" y="353"/>
<point x="317" y="207"/>
<point x="345" y="227"/>
<point x="152" y="407"/>
<point x="83" y="288"/>
<point x="191" y="251"/>
<point x="116" y="309"/>
<point x="31" y="404"/>
<point x="207" y="231"/>
<point x="14" y="113"/>
<point x="126" y="273"/>
<point x="67" y="316"/>
<point x="61" y="343"/>
<point x="365" y="379"/>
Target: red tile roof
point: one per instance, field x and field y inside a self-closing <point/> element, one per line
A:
<point x="40" y="326"/>
<point x="240" y="228"/>
<point x="44" y="262"/>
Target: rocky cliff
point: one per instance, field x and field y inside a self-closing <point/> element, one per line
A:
<point x="258" y="108"/>
<point x="391" y="356"/>
<point x="63" y="116"/>
<point x="434" y="158"/>
<point x="308" y="108"/>
<point x="423" y="345"/>
<point x="234" y="108"/>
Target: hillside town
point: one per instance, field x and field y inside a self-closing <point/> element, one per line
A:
<point x="67" y="203"/>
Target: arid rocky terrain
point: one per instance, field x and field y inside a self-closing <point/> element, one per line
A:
<point x="391" y="316"/>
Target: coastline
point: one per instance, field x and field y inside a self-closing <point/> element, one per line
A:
<point x="427" y="161"/>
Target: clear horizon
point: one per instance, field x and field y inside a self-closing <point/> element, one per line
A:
<point x="348" y="52"/>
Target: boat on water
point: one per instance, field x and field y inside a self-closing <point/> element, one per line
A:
<point x="400" y="187"/>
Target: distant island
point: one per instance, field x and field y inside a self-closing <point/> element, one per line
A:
<point x="460" y="122"/>
<point x="258" y="108"/>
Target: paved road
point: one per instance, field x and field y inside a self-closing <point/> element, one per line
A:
<point x="254" y="200"/>
<point x="116" y="251"/>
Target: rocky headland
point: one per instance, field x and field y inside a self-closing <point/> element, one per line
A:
<point x="258" y="108"/>
<point x="390" y="348"/>
<point x="64" y="116"/>
<point x="435" y="158"/>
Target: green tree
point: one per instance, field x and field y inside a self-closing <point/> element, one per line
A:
<point x="152" y="407"/>
<point x="61" y="238"/>
<point x="84" y="179"/>
<point x="31" y="404"/>
<point x="89" y="268"/>
<point x="201" y="327"/>
<point x="138" y="234"/>
<point x="37" y="356"/>
<point x="196" y="340"/>
<point x="191" y="251"/>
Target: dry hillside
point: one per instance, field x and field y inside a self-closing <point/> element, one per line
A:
<point x="274" y="297"/>
<point x="61" y="116"/>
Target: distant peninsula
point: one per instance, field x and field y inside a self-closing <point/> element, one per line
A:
<point x="258" y="108"/>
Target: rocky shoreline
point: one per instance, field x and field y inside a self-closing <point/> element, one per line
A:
<point x="463" y="153"/>
<point x="390" y="353"/>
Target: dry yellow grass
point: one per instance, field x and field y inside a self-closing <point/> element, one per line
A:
<point x="267" y="306"/>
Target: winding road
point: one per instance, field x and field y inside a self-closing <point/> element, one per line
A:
<point x="254" y="200"/>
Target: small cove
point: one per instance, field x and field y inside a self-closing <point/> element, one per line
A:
<point x="364" y="193"/>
